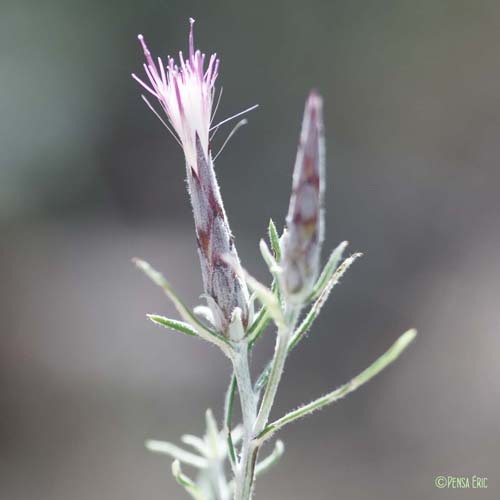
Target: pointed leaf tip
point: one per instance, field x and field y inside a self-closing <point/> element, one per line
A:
<point x="173" y="324"/>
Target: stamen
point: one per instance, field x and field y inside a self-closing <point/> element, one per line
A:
<point x="217" y="104"/>
<point x="191" y="38"/>
<point x="235" y="116"/>
<point x="149" y="89"/>
<point x="145" y="49"/>
<point x="163" y="76"/>
<point x="235" y="128"/>
<point x="161" y="119"/>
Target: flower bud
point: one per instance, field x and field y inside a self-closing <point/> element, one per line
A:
<point x="304" y="236"/>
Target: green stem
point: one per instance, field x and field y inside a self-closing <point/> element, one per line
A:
<point x="244" y="468"/>
<point x="277" y="366"/>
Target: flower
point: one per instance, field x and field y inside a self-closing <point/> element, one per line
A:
<point x="304" y="236"/>
<point x="186" y="94"/>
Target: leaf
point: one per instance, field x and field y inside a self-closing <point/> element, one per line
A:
<point x="375" y="368"/>
<point x="263" y="378"/>
<point x="186" y="314"/>
<point x="197" y="443"/>
<point x="165" y="448"/>
<point x="272" y="459"/>
<point x="258" y="326"/>
<point x="228" y="419"/>
<point x="310" y="317"/>
<point x="328" y="270"/>
<point x="173" y="324"/>
<point x="274" y="239"/>
<point x="268" y="299"/>
<point x="313" y="313"/>
<point x="212" y="436"/>
<point x="269" y="259"/>
<point x="187" y="483"/>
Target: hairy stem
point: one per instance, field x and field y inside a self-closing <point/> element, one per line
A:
<point x="244" y="468"/>
<point x="254" y="424"/>
<point x="277" y="366"/>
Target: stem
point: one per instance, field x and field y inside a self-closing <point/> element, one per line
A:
<point x="245" y="468"/>
<point x="254" y="424"/>
<point x="245" y="390"/>
<point x="277" y="366"/>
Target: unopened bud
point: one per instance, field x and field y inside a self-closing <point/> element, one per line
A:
<point x="304" y="236"/>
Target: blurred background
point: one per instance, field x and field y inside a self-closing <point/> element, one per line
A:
<point x="90" y="179"/>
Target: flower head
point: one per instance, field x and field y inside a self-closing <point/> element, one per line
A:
<point x="185" y="93"/>
<point x="304" y="236"/>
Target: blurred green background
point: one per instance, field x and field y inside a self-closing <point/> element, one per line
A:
<point x="89" y="179"/>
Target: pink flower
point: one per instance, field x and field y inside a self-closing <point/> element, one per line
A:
<point x="186" y="94"/>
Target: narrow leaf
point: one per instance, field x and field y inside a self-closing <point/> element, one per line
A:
<point x="197" y="443"/>
<point x="173" y="324"/>
<point x="174" y="451"/>
<point x="272" y="459"/>
<point x="382" y="362"/>
<point x="212" y="436"/>
<point x="274" y="239"/>
<point x="313" y="313"/>
<point x="228" y="419"/>
<point x="186" y="314"/>
<point x="269" y="258"/>
<point x="187" y="483"/>
<point x="258" y="326"/>
<point x="268" y="300"/>
<point x="263" y="378"/>
<point x="328" y="270"/>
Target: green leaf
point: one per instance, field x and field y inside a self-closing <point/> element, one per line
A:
<point x="263" y="378"/>
<point x="328" y="270"/>
<point x="274" y="239"/>
<point x="261" y="320"/>
<point x="187" y="483"/>
<point x="258" y="326"/>
<point x="313" y="313"/>
<point x="186" y="314"/>
<point x="173" y="324"/>
<point x="375" y="368"/>
<point x="228" y="418"/>
<point x="272" y="459"/>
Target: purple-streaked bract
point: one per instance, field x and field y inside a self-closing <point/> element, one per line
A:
<point x="304" y="236"/>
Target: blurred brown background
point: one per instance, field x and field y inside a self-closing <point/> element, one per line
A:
<point x="89" y="179"/>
